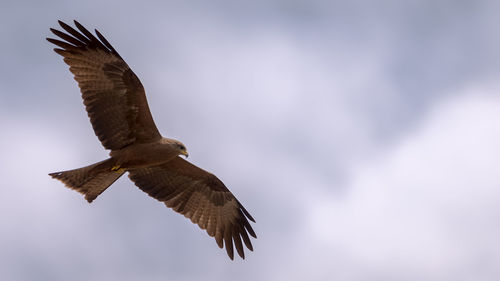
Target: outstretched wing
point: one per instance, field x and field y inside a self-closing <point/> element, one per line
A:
<point x="201" y="197"/>
<point x="113" y="95"/>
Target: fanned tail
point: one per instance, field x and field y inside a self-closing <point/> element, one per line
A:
<point x="91" y="180"/>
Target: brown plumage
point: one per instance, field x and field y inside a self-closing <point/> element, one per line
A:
<point x="116" y="103"/>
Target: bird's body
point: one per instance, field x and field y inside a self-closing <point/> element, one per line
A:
<point x="116" y="103"/>
<point x="143" y="155"/>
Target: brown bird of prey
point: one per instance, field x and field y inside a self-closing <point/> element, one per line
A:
<point x="116" y="104"/>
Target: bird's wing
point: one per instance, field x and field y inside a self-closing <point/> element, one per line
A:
<point x="201" y="197"/>
<point x="113" y="95"/>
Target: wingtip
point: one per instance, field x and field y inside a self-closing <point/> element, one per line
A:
<point x="79" y="25"/>
<point x="51" y="40"/>
<point x="247" y="214"/>
<point x="62" y="24"/>
<point x="59" y="51"/>
<point x="242" y="255"/>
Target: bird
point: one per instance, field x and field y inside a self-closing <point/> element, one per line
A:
<point x="116" y="104"/>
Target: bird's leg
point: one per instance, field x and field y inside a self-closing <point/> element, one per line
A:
<point x="117" y="168"/>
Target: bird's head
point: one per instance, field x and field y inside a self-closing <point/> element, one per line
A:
<point x="181" y="148"/>
<point x="175" y="146"/>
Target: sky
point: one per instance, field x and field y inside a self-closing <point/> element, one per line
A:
<point x="362" y="136"/>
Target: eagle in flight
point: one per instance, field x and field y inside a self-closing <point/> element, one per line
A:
<point x="116" y="104"/>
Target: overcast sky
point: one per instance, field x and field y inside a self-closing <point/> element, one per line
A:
<point x="363" y="136"/>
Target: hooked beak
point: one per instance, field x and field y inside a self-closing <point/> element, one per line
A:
<point x="185" y="153"/>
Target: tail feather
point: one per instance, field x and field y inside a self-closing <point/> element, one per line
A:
<point x="91" y="180"/>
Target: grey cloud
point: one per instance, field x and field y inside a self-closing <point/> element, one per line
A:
<point x="293" y="97"/>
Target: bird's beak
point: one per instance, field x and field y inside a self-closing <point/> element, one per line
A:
<point x="185" y="153"/>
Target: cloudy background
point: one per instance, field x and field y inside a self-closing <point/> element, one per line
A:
<point x="363" y="136"/>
